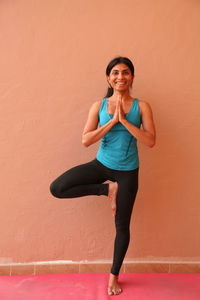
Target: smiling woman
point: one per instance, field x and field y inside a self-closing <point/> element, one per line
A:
<point x="120" y="117"/>
<point x="113" y="69"/>
<point x="120" y="77"/>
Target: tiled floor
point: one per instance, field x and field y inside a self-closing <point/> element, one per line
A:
<point x="93" y="286"/>
<point x="56" y="267"/>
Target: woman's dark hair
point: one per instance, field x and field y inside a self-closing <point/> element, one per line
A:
<point x="114" y="62"/>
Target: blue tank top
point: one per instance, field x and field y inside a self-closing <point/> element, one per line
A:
<point x="118" y="148"/>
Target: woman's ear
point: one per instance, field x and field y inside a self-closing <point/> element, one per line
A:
<point x="108" y="82"/>
<point x="132" y="80"/>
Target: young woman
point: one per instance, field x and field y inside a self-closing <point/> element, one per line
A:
<point x="120" y="117"/>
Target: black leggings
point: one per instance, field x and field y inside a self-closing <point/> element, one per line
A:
<point x="87" y="179"/>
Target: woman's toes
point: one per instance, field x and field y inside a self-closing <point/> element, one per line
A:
<point x="119" y="291"/>
<point x="114" y="210"/>
<point x="112" y="194"/>
<point x="110" y="292"/>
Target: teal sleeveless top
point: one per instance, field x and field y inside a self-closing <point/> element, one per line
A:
<point x="118" y="148"/>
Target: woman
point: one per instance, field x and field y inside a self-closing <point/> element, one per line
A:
<point x="120" y="117"/>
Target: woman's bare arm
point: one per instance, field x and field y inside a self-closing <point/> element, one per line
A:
<point x="92" y="133"/>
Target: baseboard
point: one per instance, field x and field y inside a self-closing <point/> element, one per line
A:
<point x="35" y="268"/>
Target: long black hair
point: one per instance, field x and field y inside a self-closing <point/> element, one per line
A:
<point x="114" y="62"/>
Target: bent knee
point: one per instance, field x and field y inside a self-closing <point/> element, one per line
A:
<point x="54" y="190"/>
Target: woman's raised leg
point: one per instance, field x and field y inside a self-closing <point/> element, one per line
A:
<point x="82" y="180"/>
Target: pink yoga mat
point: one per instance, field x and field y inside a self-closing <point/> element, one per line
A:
<point x="135" y="286"/>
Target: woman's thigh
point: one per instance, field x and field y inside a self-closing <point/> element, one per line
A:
<point x="88" y="173"/>
<point x="127" y="190"/>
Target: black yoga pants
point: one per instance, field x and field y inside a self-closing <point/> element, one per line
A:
<point x="88" y="179"/>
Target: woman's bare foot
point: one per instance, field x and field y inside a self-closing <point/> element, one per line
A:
<point x="113" y="286"/>
<point x="112" y="195"/>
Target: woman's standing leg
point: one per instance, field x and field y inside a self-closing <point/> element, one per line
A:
<point x="127" y="190"/>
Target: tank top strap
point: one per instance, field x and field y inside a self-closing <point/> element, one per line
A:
<point x="103" y="104"/>
<point x="137" y="105"/>
<point x="134" y="106"/>
<point x="135" y="102"/>
<point x="134" y="113"/>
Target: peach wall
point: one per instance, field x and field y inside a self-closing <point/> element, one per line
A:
<point x="52" y="68"/>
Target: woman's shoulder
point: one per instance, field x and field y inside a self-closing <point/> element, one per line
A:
<point x="96" y="105"/>
<point x="143" y="106"/>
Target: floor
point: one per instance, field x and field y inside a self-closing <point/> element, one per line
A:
<point x="136" y="286"/>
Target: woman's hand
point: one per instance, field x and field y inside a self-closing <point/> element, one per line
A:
<point x="115" y="118"/>
<point x="121" y="111"/>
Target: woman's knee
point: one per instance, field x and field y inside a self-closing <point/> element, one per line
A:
<point x="54" y="189"/>
<point x="122" y="223"/>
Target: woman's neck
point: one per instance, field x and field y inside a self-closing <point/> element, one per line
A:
<point x="125" y="96"/>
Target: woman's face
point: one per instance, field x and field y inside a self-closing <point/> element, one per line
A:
<point x="120" y="77"/>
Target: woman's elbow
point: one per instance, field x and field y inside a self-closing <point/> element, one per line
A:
<point x="85" y="142"/>
<point x="152" y="143"/>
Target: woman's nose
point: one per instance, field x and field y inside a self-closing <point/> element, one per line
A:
<point x="120" y="75"/>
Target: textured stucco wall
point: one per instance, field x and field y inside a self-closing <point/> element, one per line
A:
<point x="52" y="68"/>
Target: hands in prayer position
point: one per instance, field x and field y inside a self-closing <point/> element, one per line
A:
<point x="119" y="112"/>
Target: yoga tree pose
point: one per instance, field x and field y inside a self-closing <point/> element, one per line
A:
<point x="116" y="120"/>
